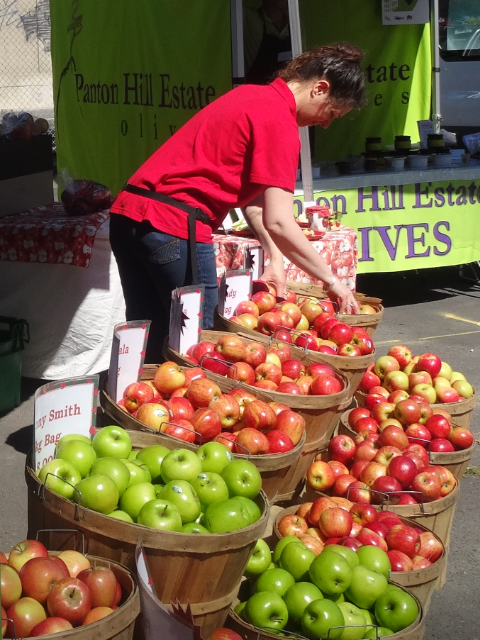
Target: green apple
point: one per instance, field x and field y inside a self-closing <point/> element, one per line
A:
<point x="252" y="508"/>
<point x="210" y="487"/>
<point x="337" y="598"/>
<point x="112" y="442"/>
<point x="120" y="515"/>
<point x="230" y="515"/>
<point x="160" y="514"/>
<point x="240" y="608"/>
<point x="396" y="610"/>
<point x="365" y="587"/>
<point x="153" y="457"/>
<point x="135" y="497"/>
<point x="377" y="632"/>
<point x="113" y="468"/>
<point x="98" y="493"/>
<point x="349" y="554"/>
<point x="74" y="436"/>
<point x="260" y="559"/>
<point x="375" y="558"/>
<point x="297" y="560"/>
<point x="180" y="464"/>
<point x="320" y="617"/>
<point x="194" y="527"/>
<point x="214" y="456"/>
<point x="331" y="573"/>
<point x="138" y="472"/>
<point x="182" y="495"/>
<point x="369" y="617"/>
<point x="242" y="478"/>
<point x="78" y="453"/>
<point x="297" y="597"/>
<point x="60" y="477"/>
<point x="275" y="581"/>
<point x="158" y="488"/>
<point x="354" y="621"/>
<point x="281" y="544"/>
<point x="132" y="455"/>
<point x="266" y="610"/>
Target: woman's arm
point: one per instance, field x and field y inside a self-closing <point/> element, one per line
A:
<point x="277" y="226"/>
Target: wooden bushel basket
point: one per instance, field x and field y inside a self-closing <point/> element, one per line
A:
<point x="353" y="367"/>
<point x="369" y="322"/>
<point x="420" y="584"/>
<point x="200" y="569"/>
<point x="415" y="631"/>
<point x="461" y="412"/>
<point x="456" y="462"/>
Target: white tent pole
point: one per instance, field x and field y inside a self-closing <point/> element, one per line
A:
<point x="236" y="22"/>
<point x="305" y="159"/>
<point x="435" y="39"/>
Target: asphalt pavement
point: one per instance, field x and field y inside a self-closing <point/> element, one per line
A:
<point x="432" y="310"/>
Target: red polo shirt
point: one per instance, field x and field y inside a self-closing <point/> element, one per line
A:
<point x="220" y="159"/>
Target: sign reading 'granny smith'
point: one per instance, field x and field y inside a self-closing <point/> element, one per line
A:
<point x="407" y="227"/>
<point x="127" y="75"/>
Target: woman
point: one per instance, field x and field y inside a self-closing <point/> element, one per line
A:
<point x="241" y="150"/>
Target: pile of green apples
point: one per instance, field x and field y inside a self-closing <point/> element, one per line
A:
<point x="206" y="491"/>
<point x="340" y="594"/>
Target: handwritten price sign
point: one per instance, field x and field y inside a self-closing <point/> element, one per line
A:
<point x="62" y="408"/>
<point x="128" y="354"/>
<point x="235" y="287"/>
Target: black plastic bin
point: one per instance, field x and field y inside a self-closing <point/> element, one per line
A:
<point x="14" y="333"/>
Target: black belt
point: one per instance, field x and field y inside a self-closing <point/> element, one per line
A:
<point x="194" y="214"/>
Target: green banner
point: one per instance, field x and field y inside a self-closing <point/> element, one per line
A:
<point x="413" y="226"/>
<point x="398" y="73"/>
<point x="128" y="74"/>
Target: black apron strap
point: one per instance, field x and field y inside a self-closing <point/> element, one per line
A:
<point x="194" y="214"/>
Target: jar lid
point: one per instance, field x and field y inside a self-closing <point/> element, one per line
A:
<point x="322" y="210"/>
<point x="373" y="139"/>
<point x="403" y="138"/>
<point x="435" y="136"/>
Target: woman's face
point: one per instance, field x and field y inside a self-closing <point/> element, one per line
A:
<point x="316" y="107"/>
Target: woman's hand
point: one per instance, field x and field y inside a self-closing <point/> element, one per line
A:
<point x="274" y="274"/>
<point x="346" y="301"/>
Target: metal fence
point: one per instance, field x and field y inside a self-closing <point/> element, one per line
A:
<point x="25" y="59"/>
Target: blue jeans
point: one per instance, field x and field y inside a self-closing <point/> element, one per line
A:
<point x="151" y="265"/>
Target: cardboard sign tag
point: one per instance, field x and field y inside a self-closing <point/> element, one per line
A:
<point x="186" y="315"/>
<point x="62" y="408"/>
<point x="235" y="287"/>
<point x="253" y="259"/>
<point x="157" y="615"/>
<point x="128" y="354"/>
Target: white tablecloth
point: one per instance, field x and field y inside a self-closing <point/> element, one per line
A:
<point x="71" y="311"/>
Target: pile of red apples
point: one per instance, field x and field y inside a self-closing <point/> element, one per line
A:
<point x="425" y="376"/>
<point x="340" y="521"/>
<point x="43" y="593"/>
<point x="385" y="467"/>
<point x="270" y="368"/>
<point x="308" y="323"/>
<point x="185" y="404"/>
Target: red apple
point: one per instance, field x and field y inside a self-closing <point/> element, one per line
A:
<point x="401" y="353"/>
<point x="371" y="399"/>
<point x="341" y="448"/>
<point x="428" y="484"/>
<point x="293" y="368"/>
<point x="417" y="450"/>
<point x="255" y="354"/>
<point x="429" y="362"/>
<point x="281" y="350"/>
<point x="367" y="450"/>
<point x="399" y="561"/>
<point x="247" y="306"/>
<point x="371" y="472"/>
<point x="398" y="395"/>
<point x="289" y="387"/>
<point x="206" y="423"/>
<point x="319" y="369"/>
<point x="336" y="522"/>
<point x="419" y="563"/>
<point x="292" y="525"/>
<point x="102" y="584"/>
<point x="359" y="492"/>
<point x="418" y="433"/>
<point x="23" y="616"/>
<point x="10" y="587"/>
<point x="268" y="323"/>
<point x="264" y="300"/>
<point x="363" y="514"/>
<point x="407" y="411"/>
<point x="69" y="598"/>
<point x="325" y="385"/>
<point x="268" y="371"/>
<point x="386" y="453"/>
<point x="461" y="438"/>
<point x="216" y="363"/>
<point x="318" y="507"/>
<point x="228" y="440"/>
<point x="393" y="436"/>
<point x="377" y="527"/>
<point x="266" y="385"/>
<point x="227" y="409"/>
<point x="355" y="415"/>
<point x="254" y="441"/>
<point x="403" y="469"/>
<point x="25" y="551"/>
<point x="304" y="383"/>
<point x="168" y="377"/>
<point x="291" y="423"/>
<point x="202" y="391"/>
<point x="448" y="396"/>
<point x="369" y="537"/>
<point x="320" y="476"/>
<point x="357" y="468"/>
<point x="259" y="415"/>
<point x="135" y="395"/>
<point x="386" y="489"/>
<point x="279" y="442"/>
<point x="243" y="397"/>
<point x="431" y="547"/>
<point x="181" y="408"/>
<point x="340" y="333"/>
<point x="369" y="380"/>
<point x="438" y="426"/>
<point x="202" y="348"/>
<point x="38" y="575"/>
<point x="242" y="372"/>
<point x="441" y="445"/>
<point x="403" y="538"/>
<point x="342" y="483"/>
<point x="50" y="625"/>
<point x="180" y="429"/>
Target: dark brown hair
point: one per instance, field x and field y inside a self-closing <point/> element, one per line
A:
<point x="337" y="63"/>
